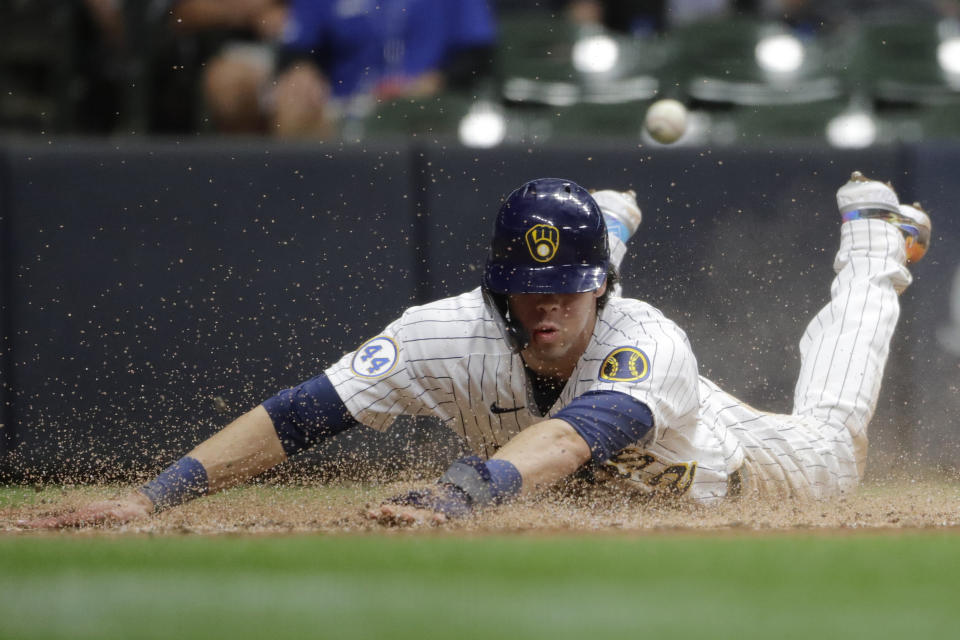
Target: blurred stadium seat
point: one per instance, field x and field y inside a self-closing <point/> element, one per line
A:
<point x="924" y="122"/>
<point x="899" y="63"/>
<point x="749" y="62"/>
<point x="588" y="121"/>
<point x="433" y="117"/>
<point x="551" y="61"/>
<point x="758" y="124"/>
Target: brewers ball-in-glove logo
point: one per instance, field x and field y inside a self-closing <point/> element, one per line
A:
<point x="625" y="364"/>
<point x="543" y="240"/>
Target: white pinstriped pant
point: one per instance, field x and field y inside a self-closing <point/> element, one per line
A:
<point x="820" y="449"/>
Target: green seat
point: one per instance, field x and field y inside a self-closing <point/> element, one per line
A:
<point x="535" y="61"/>
<point x="586" y="121"/>
<point x="715" y="62"/>
<point x="747" y="125"/>
<point x="913" y="123"/>
<point x="897" y="62"/>
<point x="535" y="45"/>
<point x="436" y="116"/>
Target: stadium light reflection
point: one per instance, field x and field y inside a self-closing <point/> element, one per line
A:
<point x="484" y="126"/>
<point x="781" y="53"/>
<point x="595" y="54"/>
<point x="948" y="55"/>
<point x="852" y="130"/>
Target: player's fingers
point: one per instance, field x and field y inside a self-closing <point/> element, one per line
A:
<point x="402" y="516"/>
<point x="383" y="514"/>
<point x="419" y="517"/>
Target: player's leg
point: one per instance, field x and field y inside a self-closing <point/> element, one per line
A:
<point x="845" y="347"/>
<point x="622" y="216"/>
<point x="819" y="450"/>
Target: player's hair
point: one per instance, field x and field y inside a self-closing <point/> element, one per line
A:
<point x="613" y="277"/>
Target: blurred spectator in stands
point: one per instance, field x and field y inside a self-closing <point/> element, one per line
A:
<point x="198" y="34"/>
<point x="262" y="18"/>
<point x="108" y="17"/>
<point x="336" y="56"/>
<point x="248" y="30"/>
<point x="829" y="14"/>
<point x="643" y="17"/>
<point x="100" y="42"/>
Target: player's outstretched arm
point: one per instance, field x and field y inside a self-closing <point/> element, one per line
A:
<point x="243" y="449"/>
<point x="535" y="458"/>
<point x="545" y="453"/>
<point x="593" y="427"/>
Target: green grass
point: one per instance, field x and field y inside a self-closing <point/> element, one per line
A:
<point x="442" y="586"/>
<point x="17" y="496"/>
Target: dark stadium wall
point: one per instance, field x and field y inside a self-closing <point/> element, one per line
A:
<point x="6" y="357"/>
<point x="928" y="347"/>
<point x="161" y="289"/>
<point x="153" y="291"/>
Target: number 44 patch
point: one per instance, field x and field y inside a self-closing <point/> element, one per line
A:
<point x="375" y="358"/>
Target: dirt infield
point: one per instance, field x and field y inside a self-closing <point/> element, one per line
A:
<point x="275" y="508"/>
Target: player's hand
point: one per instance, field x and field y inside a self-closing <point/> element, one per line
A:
<point x="130" y="507"/>
<point x="429" y="506"/>
<point x="397" y="515"/>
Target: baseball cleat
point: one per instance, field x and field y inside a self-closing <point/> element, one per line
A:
<point x="915" y="225"/>
<point x="862" y="197"/>
<point x="620" y="211"/>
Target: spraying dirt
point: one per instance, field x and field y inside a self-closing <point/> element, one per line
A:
<point x="283" y="507"/>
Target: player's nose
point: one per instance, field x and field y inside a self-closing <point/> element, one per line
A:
<point x="548" y="301"/>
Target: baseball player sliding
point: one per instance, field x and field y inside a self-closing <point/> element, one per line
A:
<point x="544" y="370"/>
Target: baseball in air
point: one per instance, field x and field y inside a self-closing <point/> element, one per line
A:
<point x="666" y="120"/>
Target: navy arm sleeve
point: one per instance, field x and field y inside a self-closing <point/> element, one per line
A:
<point x="608" y="421"/>
<point x="308" y="413"/>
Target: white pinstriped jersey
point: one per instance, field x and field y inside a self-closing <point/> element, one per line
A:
<point x="449" y="359"/>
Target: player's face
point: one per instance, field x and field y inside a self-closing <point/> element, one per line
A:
<point x="560" y="326"/>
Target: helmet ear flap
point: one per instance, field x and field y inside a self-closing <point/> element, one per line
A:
<point x="513" y="332"/>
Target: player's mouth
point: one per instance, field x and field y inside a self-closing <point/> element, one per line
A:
<point x="546" y="333"/>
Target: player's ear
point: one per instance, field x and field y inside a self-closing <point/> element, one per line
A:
<point x="602" y="289"/>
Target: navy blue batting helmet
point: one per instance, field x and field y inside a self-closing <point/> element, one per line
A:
<point x="549" y="237"/>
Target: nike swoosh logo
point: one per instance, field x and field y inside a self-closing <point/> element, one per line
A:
<point x="495" y="409"/>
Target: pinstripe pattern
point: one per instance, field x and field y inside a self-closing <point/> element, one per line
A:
<point x="820" y="449"/>
<point x="453" y="363"/>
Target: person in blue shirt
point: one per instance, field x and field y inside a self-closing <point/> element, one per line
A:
<point x="337" y="57"/>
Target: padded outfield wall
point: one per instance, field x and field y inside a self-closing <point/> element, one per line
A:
<point x="151" y="291"/>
